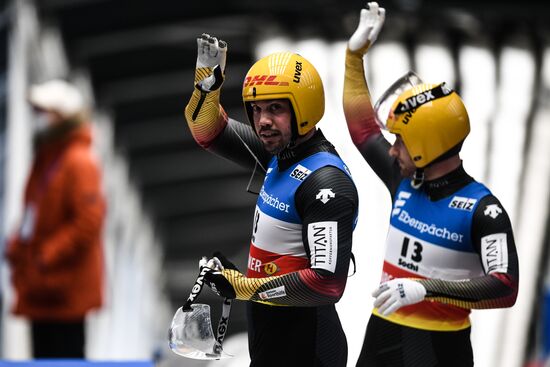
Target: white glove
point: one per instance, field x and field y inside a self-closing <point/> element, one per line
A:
<point x="371" y="20"/>
<point x="211" y="53"/>
<point x="396" y="293"/>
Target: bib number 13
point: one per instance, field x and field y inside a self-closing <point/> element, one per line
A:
<point x="415" y="253"/>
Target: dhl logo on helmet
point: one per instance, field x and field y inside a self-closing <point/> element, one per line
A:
<point x="263" y="79"/>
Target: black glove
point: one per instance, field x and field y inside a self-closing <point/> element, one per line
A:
<point x="217" y="278"/>
<point x="226" y="264"/>
<point x="213" y="82"/>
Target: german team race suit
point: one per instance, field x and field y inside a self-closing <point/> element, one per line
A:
<point x="452" y="235"/>
<point x="301" y="240"/>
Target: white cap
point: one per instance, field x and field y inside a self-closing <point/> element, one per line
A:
<point x="57" y="95"/>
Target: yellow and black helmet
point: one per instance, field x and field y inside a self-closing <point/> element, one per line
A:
<point x="431" y="119"/>
<point x="286" y="75"/>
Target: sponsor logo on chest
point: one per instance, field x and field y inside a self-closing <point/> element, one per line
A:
<point x="273" y="201"/>
<point x="270" y="268"/>
<point x="400" y="202"/>
<point x="254" y="264"/>
<point x="462" y="203"/>
<point x="432" y="229"/>
<point x="300" y="173"/>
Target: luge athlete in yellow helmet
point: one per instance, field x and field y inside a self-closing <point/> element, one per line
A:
<point x="450" y="246"/>
<point x="305" y="214"/>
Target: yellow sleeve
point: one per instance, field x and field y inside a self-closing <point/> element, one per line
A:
<point x="245" y="288"/>
<point x="205" y="116"/>
<point x="301" y="288"/>
<point x="357" y="101"/>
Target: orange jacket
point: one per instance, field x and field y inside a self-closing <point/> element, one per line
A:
<point x="57" y="271"/>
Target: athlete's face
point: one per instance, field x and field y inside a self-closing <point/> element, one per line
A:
<point x="272" y="120"/>
<point x="401" y="154"/>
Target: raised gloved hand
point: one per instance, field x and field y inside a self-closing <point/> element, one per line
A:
<point x="210" y="67"/>
<point x="396" y="293"/>
<point x="371" y="20"/>
<point x="221" y="271"/>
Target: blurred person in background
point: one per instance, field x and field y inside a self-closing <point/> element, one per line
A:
<point x="450" y="246"/>
<point x="306" y="210"/>
<point x="56" y="254"/>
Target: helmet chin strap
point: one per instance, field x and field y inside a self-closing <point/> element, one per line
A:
<point x="418" y="178"/>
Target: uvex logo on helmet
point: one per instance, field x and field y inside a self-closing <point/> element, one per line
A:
<point x="410" y="105"/>
<point x="297" y="72"/>
<point x="415" y="101"/>
<point x="262" y="79"/>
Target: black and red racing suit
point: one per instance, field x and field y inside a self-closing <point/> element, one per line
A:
<point x="452" y="235"/>
<point x="301" y="240"/>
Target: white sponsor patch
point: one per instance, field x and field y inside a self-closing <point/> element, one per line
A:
<point x="494" y="253"/>
<point x="323" y="245"/>
<point x="273" y="293"/>
<point x="462" y="203"/>
<point x="300" y="173"/>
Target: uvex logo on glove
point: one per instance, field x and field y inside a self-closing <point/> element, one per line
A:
<point x="401" y="290"/>
<point x="396" y="293"/>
